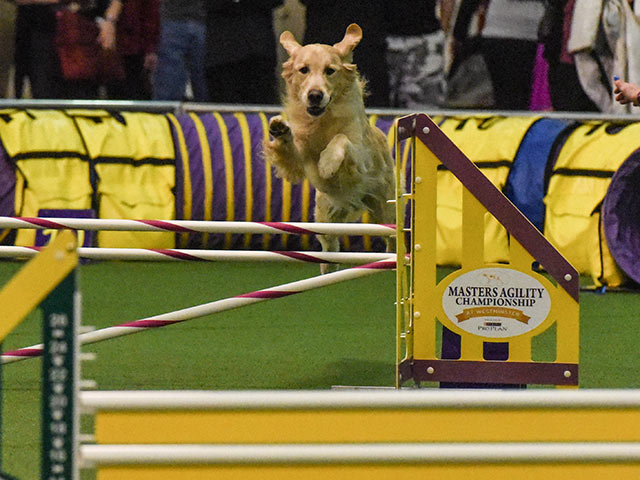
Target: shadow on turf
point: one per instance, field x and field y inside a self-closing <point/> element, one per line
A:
<point x="353" y="372"/>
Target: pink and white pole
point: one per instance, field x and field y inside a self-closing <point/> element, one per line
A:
<point x="199" y="226"/>
<point x="194" y="255"/>
<point x="185" y="314"/>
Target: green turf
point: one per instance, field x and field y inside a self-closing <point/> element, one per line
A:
<point x="338" y="335"/>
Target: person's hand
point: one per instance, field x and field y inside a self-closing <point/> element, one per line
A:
<point x="107" y="35"/>
<point x="626" y="92"/>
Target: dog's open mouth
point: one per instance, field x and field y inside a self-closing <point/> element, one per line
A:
<point x="315" y="110"/>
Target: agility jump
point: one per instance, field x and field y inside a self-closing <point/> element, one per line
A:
<point x="552" y="448"/>
<point x="489" y="312"/>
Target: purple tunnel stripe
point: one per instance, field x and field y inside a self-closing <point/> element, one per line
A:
<point x="266" y="294"/>
<point x="24" y="352"/>
<point x="7" y="186"/>
<point x="288" y="228"/>
<point x="177" y="255"/>
<point x="166" y="226"/>
<point x="302" y="256"/>
<point x="194" y="169"/>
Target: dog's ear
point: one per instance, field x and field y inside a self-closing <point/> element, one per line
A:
<point x="288" y="41"/>
<point x="352" y="37"/>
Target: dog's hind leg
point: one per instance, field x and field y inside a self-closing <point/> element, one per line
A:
<point x="384" y="211"/>
<point x="329" y="243"/>
<point x="324" y="212"/>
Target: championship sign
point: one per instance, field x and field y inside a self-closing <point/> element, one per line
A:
<point x="496" y="302"/>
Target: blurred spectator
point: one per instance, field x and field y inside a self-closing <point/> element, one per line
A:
<point x="415" y="47"/>
<point x="241" y="51"/>
<point x="182" y="51"/>
<point x="35" y="56"/>
<point x="289" y="16"/>
<point x="137" y="35"/>
<point x="604" y="38"/>
<point x="7" y="27"/>
<point x="42" y="40"/>
<point x="86" y="42"/>
<point x="326" y="22"/>
<point x="509" y="46"/>
<point x="467" y="80"/>
<point x="565" y="90"/>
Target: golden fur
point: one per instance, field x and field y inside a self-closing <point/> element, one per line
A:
<point x="326" y="137"/>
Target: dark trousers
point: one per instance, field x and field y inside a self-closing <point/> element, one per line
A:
<point x="567" y="95"/>
<point x="136" y="84"/>
<point x="36" y="60"/>
<point x="510" y="63"/>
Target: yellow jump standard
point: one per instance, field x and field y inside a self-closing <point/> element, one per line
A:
<point x="492" y="307"/>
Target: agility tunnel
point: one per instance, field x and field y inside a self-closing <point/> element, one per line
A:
<point x="206" y="164"/>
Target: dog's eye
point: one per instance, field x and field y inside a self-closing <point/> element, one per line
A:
<point x="304" y="70"/>
<point x="329" y="71"/>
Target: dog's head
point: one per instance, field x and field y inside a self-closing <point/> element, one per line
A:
<point x="315" y="74"/>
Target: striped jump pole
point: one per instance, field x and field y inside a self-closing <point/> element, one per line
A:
<point x="199" y="226"/>
<point x="193" y="255"/>
<point x="217" y="306"/>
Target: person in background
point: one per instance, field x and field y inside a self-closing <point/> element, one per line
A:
<point x="289" y="16"/>
<point x="137" y="36"/>
<point x="105" y="14"/>
<point x="626" y="93"/>
<point x="415" y="49"/>
<point x="565" y="90"/>
<point x="182" y="50"/>
<point x="241" y="51"/>
<point x="326" y="22"/>
<point x="509" y="44"/>
<point x="603" y="40"/>
<point x="468" y="84"/>
<point x="35" y="58"/>
<point x="7" y="27"/>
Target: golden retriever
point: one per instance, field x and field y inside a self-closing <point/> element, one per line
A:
<point x="324" y="136"/>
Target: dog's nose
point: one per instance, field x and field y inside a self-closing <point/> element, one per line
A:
<point x="315" y="97"/>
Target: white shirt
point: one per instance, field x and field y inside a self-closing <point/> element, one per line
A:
<point x="513" y="19"/>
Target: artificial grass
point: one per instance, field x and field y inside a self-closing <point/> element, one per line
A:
<point x="342" y="334"/>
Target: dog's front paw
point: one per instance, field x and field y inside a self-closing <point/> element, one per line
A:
<point x="278" y="127"/>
